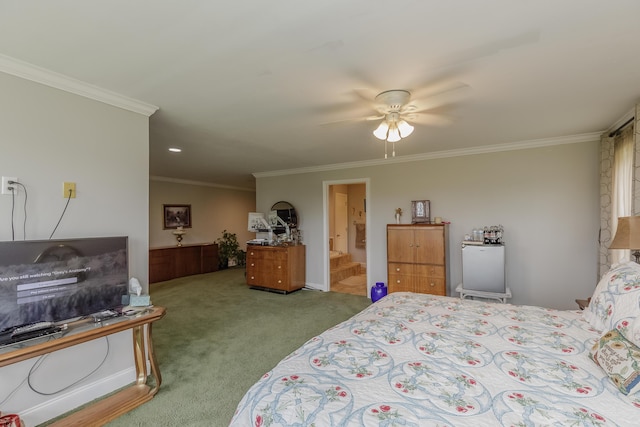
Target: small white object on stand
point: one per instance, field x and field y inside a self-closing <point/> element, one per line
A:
<point x="502" y="297"/>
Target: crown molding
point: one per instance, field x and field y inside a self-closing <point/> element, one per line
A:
<point x="521" y="145"/>
<point x="629" y="115"/>
<point x="50" y="78"/>
<point x="200" y="183"/>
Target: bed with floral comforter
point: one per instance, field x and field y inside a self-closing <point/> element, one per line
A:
<point x="424" y="360"/>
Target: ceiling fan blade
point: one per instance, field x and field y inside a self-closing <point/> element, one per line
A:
<point x="352" y="120"/>
<point x="367" y="94"/>
<point x="493" y="48"/>
<point x="442" y="89"/>
<point x="438" y="94"/>
<point x="428" y="119"/>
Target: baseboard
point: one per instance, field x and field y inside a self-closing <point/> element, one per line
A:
<point x="77" y="397"/>
<point x="315" y="286"/>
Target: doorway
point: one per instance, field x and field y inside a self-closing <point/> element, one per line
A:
<point x="346" y="236"/>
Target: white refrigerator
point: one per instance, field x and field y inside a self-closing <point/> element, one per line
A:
<point x="483" y="268"/>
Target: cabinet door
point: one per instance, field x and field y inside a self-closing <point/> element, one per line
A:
<point x="297" y="267"/>
<point x="161" y="265"/>
<point x="400" y="244"/>
<point x="188" y="260"/>
<point x="209" y="258"/>
<point x="429" y="243"/>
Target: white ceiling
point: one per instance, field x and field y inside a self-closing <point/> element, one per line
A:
<point x="251" y="85"/>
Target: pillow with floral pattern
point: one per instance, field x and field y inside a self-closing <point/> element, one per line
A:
<point x="620" y="359"/>
<point x="615" y="303"/>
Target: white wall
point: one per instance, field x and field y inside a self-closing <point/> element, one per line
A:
<point x="546" y="198"/>
<point x="213" y="209"/>
<point x="49" y="136"/>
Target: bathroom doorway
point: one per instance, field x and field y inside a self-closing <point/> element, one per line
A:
<point x="346" y="219"/>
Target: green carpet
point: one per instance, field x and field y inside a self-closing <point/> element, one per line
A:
<point x="219" y="337"/>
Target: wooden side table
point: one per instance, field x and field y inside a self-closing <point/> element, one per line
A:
<point x="102" y="411"/>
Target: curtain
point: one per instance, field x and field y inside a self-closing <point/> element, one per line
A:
<point x="622" y="185"/>
<point x="625" y="199"/>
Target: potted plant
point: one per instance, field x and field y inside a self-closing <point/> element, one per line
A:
<point x="229" y="252"/>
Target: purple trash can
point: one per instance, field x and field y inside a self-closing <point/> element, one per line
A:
<point x="378" y="291"/>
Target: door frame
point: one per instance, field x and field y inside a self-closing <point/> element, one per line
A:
<point x="325" y="220"/>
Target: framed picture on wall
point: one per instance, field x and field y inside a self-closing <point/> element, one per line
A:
<point x="175" y="216"/>
<point x="420" y="211"/>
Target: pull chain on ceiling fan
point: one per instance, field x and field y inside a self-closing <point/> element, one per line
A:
<point x="393" y="127"/>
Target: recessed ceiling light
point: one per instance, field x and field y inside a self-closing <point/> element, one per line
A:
<point x="175" y="150"/>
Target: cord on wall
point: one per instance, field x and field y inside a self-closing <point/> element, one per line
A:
<point x="26" y="195"/>
<point x="13" y="209"/>
<point x="63" y="211"/>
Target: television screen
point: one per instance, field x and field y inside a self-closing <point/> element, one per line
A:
<point x="56" y="280"/>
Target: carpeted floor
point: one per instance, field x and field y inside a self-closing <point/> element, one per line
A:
<point x="219" y="337"/>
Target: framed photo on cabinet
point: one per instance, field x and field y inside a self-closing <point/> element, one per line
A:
<point x="420" y="211"/>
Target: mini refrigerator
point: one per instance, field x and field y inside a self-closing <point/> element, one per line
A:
<point x="483" y="268"/>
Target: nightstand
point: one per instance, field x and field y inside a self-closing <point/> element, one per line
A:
<point x="583" y="303"/>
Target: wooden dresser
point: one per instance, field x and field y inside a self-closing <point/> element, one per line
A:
<point x="178" y="261"/>
<point x="276" y="268"/>
<point x="417" y="258"/>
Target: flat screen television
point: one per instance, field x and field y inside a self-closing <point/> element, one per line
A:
<point x="58" y="280"/>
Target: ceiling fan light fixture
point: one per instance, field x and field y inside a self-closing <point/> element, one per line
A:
<point x="394" y="134"/>
<point x="405" y="129"/>
<point x="381" y="130"/>
<point x="393" y="104"/>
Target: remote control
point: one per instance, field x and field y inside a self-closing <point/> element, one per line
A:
<point x="104" y="315"/>
<point x="31" y="328"/>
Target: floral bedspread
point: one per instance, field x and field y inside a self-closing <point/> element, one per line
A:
<point x="424" y="360"/>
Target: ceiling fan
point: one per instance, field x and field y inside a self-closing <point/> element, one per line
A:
<point x="399" y="110"/>
<point x="392" y="105"/>
<point x="396" y="109"/>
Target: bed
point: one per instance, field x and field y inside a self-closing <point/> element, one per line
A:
<point x="423" y="360"/>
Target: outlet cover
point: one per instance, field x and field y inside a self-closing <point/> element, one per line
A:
<point x="69" y="186"/>
<point x="6" y="185"/>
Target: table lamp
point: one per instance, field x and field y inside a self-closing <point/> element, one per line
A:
<point x="628" y="235"/>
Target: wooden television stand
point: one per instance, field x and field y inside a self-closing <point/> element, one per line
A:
<point x="109" y="408"/>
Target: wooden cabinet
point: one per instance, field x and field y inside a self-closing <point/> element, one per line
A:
<point x="278" y="268"/>
<point x="179" y="261"/>
<point x="417" y="258"/>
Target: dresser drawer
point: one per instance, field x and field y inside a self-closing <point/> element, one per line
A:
<point x="435" y="286"/>
<point x="400" y="268"/>
<point x="430" y="270"/>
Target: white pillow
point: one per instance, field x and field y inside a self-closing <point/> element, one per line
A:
<point x="615" y="303"/>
